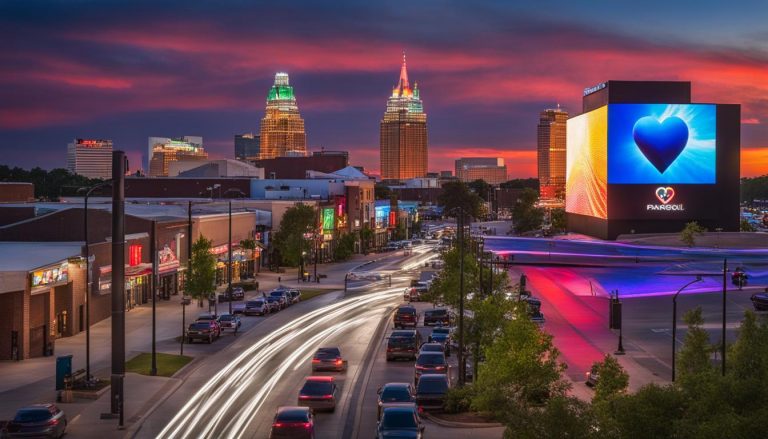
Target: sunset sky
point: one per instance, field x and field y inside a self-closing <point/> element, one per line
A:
<point x="129" y="70"/>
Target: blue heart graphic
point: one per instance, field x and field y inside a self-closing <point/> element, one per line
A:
<point x="660" y="143"/>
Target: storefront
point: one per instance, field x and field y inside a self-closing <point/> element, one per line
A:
<point x="137" y="283"/>
<point x="168" y="271"/>
<point x="239" y="263"/>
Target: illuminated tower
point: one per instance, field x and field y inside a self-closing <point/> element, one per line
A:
<point x="551" y="153"/>
<point x="282" y="128"/>
<point x="403" y="140"/>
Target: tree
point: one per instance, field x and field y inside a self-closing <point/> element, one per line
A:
<point x="521" y="183"/>
<point x="49" y="185"/>
<point x="688" y="235"/>
<point x="345" y="247"/>
<point x="693" y="359"/>
<point x="558" y="220"/>
<point x="456" y="195"/>
<point x="290" y="240"/>
<point x="481" y="188"/>
<point x="382" y="192"/>
<point x="613" y="379"/>
<point x="202" y="273"/>
<point x="746" y="226"/>
<point x="755" y="188"/>
<point x="651" y="412"/>
<point x="525" y="214"/>
<point x="366" y="238"/>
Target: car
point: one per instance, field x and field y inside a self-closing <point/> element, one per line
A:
<point x="210" y="318"/>
<point x="415" y="293"/>
<point x="295" y="296"/>
<point x="443" y="340"/>
<point x="402" y="422"/>
<point x="258" y="307"/>
<point x="406" y="316"/>
<point x="283" y="297"/>
<point x="391" y="247"/>
<point x="237" y="294"/>
<point x="593" y="376"/>
<point x="319" y="393"/>
<point x="229" y="321"/>
<point x="438" y="316"/>
<point x="203" y="330"/>
<point x="276" y="303"/>
<point x="293" y="423"/>
<point x="431" y="391"/>
<point x="431" y="347"/>
<point x="238" y="308"/>
<point x="394" y="393"/>
<point x="38" y="420"/>
<point x="430" y="362"/>
<point x="403" y="344"/>
<point x="760" y="301"/>
<point x="328" y="359"/>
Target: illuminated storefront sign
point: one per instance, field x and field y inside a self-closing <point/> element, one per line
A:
<point x="665" y="195"/>
<point x="52" y="275"/>
<point x="328" y="218"/>
<point x="134" y="255"/>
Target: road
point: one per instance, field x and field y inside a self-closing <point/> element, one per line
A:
<point x="235" y="393"/>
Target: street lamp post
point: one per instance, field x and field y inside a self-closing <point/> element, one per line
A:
<point x="462" y="365"/>
<point x="725" y="285"/>
<point x="620" y="349"/>
<point x="674" y="321"/>
<point x="229" y="260"/>
<point x="153" y="289"/>
<point x="482" y="285"/>
<point x="88" y="280"/>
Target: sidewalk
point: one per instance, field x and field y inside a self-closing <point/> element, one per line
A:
<point x="32" y="381"/>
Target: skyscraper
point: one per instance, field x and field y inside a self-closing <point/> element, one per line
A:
<point x="90" y="158"/>
<point x="551" y="153"/>
<point x="403" y="135"/>
<point x="282" y="128"/>
<point x="247" y="146"/>
<point x="164" y="150"/>
<point x="490" y="169"/>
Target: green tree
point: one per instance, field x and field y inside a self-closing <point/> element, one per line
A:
<point x="367" y="236"/>
<point x="382" y="192"/>
<point x="746" y="226"/>
<point x="651" y="412"/>
<point x="481" y="188"/>
<point x="202" y="273"/>
<point x="456" y="194"/>
<point x="613" y="381"/>
<point x="694" y="357"/>
<point x="290" y="240"/>
<point x="521" y="183"/>
<point x="688" y="235"/>
<point x="525" y="215"/>
<point x="561" y="417"/>
<point x="755" y="188"/>
<point x="345" y="247"/>
<point x="558" y="219"/>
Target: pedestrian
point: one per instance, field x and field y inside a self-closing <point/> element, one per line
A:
<point x="279" y="280"/>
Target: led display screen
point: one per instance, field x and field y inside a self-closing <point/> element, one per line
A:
<point x="328" y="218"/>
<point x="661" y="143"/>
<point x="586" y="164"/>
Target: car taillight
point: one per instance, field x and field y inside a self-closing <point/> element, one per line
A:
<point x="315" y="361"/>
<point x="327" y="396"/>
<point x="303" y="397"/>
<point x="306" y="425"/>
<point x="439" y="367"/>
<point x="338" y="361"/>
<point x="421" y="409"/>
<point x="277" y="425"/>
<point x="390" y="349"/>
<point x="420" y="367"/>
<point x="53" y="422"/>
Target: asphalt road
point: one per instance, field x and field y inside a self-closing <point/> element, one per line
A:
<point x="236" y="392"/>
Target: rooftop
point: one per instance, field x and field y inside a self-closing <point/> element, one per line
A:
<point x="28" y="256"/>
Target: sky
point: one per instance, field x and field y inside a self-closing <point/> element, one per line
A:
<point x="129" y="70"/>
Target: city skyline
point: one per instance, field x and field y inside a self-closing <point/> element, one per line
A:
<point x="493" y="66"/>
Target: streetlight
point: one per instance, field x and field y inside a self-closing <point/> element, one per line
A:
<point x="88" y="278"/>
<point x="460" y="236"/>
<point x="229" y="244"/>
<point x="674" y="321"/>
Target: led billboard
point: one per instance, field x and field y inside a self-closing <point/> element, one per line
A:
<point x="586" y="164"/>
<point x="661" y="144"/>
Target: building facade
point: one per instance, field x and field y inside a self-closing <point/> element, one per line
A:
<point x="297" y="167"/>
<point x="90" y="158"/>
<point x="403" y="134"/>
<point x="163" y="151"/>
<point x="247" y="146"/>
<point x="491" y="170"/>
<point x="282" y="128"/>
<point x="551" y="155"/>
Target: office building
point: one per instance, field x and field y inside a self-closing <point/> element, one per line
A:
<point x="551" y="153"/>
<point x="282" y="128"/>
<point x="297" y="167"/>
<point x="164" y="150"/>
<point x="490" y="169"/>
<point x="247" y="146"/>
<point x="90" y="158"/>
<point x="403" y="135"/>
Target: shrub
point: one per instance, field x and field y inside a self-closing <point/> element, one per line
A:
<point x="459" y="399"/>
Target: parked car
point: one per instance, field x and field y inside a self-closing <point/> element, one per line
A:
<point x="38" y="420"/>
<point x="295" y="296"/>
<point x="430" y="362"/>
<point x="205" y="317"/>
<point x="394" y="393"/>
<point x="760" y="301"/>
<point x="237" y="294"/>
<point x="282" y="295"/>
<point x="293" y="423"/>
<point x="238" y="308"/>
<point x="391" y="247"/>
<point x="319" y="393"/>
<point x="203" y="331"/>
<point x="593" y="376"/>
<point x="443" y="339"/>
<point x="328" y="359"/>
<point x="258" y="307"/>
<point x="431" y="391"/>
<point x="229" y="321"/>
<point x="406" y="316"/>
<point x="276" y="303"/>
<point x="403" y="344"/>
<point x="438" y="316"/>
<point x="400" y="422"/>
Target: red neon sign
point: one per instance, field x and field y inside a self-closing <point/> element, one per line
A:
<point x="134" y="255"/>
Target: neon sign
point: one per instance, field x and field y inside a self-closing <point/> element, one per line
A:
<point x="134" y="255"/>
<point x="51" y="275"/>
<point x="328" y="218"/>
<point x="665" y="194"/>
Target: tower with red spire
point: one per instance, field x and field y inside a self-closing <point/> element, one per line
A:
<point x="403" y="135"/>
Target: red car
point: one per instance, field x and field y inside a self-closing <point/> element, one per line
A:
<point x="406" y="316"/>
<point x="293" y="423"/>
<point x="203" y="330"/>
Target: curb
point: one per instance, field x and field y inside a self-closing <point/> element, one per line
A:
<point x="453" y="424"/>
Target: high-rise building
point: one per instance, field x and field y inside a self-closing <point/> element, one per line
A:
<point x="403" y="135"/>
<point x="491" y="169"/>
<point x="90" y="158"/>
<point x="247" y="146"/>
<point x="164" y="150"/>
<point x="551" y="153"/>
<point x="282" y="128"/>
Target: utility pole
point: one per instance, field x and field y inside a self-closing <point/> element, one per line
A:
<point x="725" y="286"/>
<point x="153" y="289"/>
<point x="229" y="260"/>
<point x="462" y="365"/>
<point x="118" y="282"/>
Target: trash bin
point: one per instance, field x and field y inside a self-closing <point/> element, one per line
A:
<point x="63" y="368"/>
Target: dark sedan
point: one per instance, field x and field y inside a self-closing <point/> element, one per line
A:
<point x="401" y="422"/>
<point x="429" y="363"/>
<point x="258" y="307"/>
<point x="760" y="301"/>
<point x="328" y="359"/>
<point x="431" y="391"/>
<point x="39" y="420"/>
<point x="204" y="331"/>
<point x="293" y="423"/>
<point x="394" y="393"/>
<point x="237" y="294"/>
<point x="438" y="316"/>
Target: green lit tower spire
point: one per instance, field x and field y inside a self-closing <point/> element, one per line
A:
<point x="282" y="128"/>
